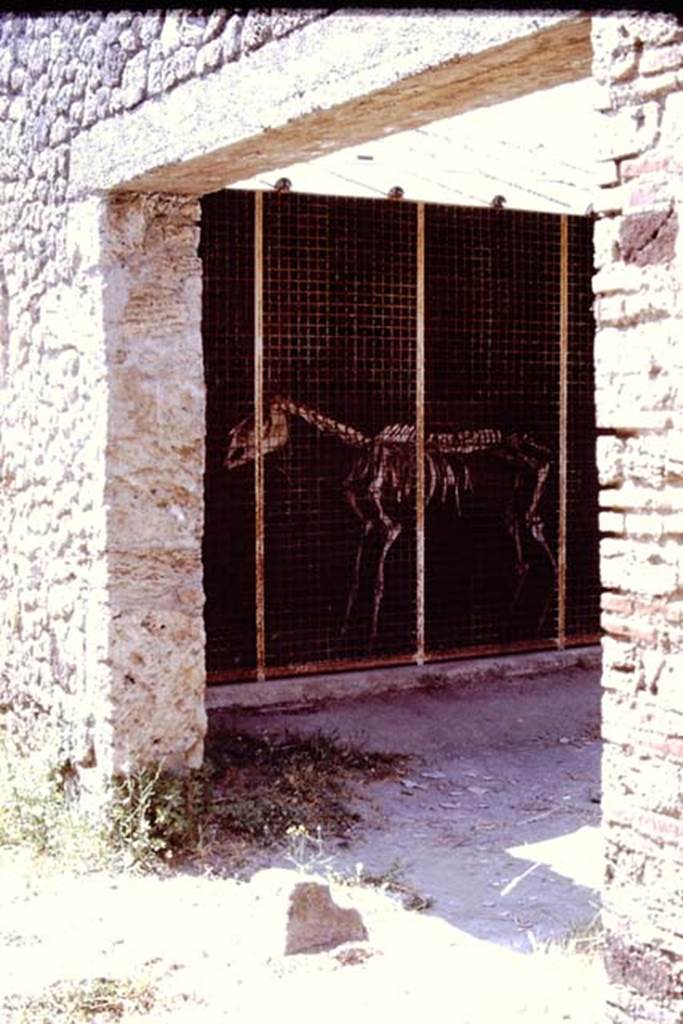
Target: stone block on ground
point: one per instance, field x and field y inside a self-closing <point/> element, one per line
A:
<point x="302" y="915"/>
<point x="316" y="923"/>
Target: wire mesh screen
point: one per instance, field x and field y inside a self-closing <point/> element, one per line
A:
<point x="583" y="591"/>
<point x="227" y="252"/>
<point x="492" y="367"/>
<point x="339" y="345"/>
<point x="340" y="433"/>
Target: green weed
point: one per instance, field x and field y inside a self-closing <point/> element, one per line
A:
<point x="37" y="809"/>
<point x="251" y="789"/>
<point x="265" y="786"/>
<point x="145" y="816"/>
<point x="391" y="880"/>
<point x="154" y="814"/>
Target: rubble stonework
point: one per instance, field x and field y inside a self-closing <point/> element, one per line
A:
<point x="101" y="388"/>
<point x="638" y="67"/>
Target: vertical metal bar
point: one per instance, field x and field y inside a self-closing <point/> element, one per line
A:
<point x="258" y="440"/>
<point x="562" y="468"/>
<point x="420" y="436"/>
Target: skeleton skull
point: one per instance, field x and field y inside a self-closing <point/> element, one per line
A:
<point x="242" y="438"/>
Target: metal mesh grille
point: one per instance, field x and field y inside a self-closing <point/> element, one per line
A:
<point x="339" y="330"/>
<point x="583" y="591"/>
<point x="492" y="360"/>
<point x="227" y="252"/>
<point x="340" y="321"/>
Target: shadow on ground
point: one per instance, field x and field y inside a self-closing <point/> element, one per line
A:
<point x="494" y="817"/>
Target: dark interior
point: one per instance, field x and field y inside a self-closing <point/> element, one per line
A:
<point x="340" y="303"/>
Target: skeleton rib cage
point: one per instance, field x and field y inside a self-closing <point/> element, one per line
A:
<point x="382" y="480"/>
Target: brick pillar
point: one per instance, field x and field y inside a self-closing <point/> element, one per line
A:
<point x="638" y="67"/>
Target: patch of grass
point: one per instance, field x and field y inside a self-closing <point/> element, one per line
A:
<point x="392" y="881"/>
<point x="568" y="977"/>
<point x="250" y="790"/>
<point x="82" y="1002"/>
<point x="147" y="815"/>
<point x="37" y="809"/>
<point x="585" y="938"/>
<point x="265" y="785"/>
<point x="307" y="853"/>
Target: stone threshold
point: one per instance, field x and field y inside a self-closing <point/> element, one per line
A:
<point x="303" y="690"/>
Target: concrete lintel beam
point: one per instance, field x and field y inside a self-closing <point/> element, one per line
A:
<point x="344" y="80"/>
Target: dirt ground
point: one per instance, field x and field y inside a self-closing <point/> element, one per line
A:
<point x="495" y="816"/>
<point x="492" y="817"/>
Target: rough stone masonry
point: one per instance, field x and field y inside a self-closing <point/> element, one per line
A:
<point x="102" y="391"/>
<point x="111" y="125"/>
<point x="638" y="68"/>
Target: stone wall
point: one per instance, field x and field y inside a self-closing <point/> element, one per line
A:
<point x="638" y="65"/>
<point x="101" y="390"/>
<point x="100" y="356"/>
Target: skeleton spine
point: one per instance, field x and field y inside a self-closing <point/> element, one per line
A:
<point x="325" y="424"/>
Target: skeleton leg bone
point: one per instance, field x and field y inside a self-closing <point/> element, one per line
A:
<point x="393" y="530"/>
<point x="513" y="527"/>
<point x="355" y="580"/>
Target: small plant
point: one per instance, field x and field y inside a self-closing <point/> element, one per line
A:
<point x="391" y="881"/>
<point x="155" y="814"/>
<point x="93" y="999"/>
<point x="147" y="815"/>
<point x="36" y="806"/>
<point x="307" y="852"/>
